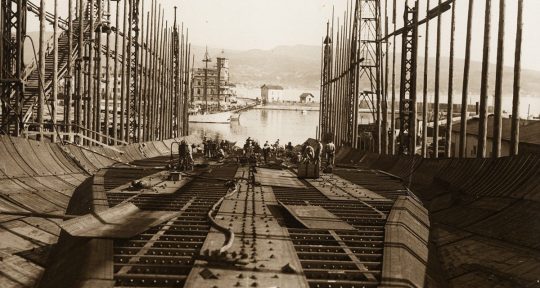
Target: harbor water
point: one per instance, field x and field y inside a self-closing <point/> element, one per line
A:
<point x="266" y="125"/>
<point x="263" y="125"/>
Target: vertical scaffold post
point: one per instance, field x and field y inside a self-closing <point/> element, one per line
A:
<point x="370" y="53"/>
<point x="407" y="101"/>
<point x="13" y="17"/>
<point x="514" y="138"/>
<point x="482" y="124"/>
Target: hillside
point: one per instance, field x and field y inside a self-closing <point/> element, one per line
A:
<point x="299" y="67"/>
<point x="289" y="66"/>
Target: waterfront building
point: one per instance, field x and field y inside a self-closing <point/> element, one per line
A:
<point x="271" y="93"/>
<point x="529" y="137"/>
<point x="307" y="98"/>
<point x="219" y="90"/>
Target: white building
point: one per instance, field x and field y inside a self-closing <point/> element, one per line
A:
<point x="271" y="93"/>
<point x="306" y="98"/>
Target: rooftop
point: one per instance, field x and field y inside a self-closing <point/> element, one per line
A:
<point x="305" y="95"/>
<point x="529" y="130"/>
<point x="272" y="87"/>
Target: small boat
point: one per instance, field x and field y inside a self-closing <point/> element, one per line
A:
<point x="304" y="111"/>
<point x="219" y="117"/>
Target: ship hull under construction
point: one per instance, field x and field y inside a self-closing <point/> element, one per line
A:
<point x="376" y="221"/>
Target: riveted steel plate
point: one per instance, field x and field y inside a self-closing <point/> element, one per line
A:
<point x="316" y="217"/>
<point x="122" y="221"/>
<point x="282" y="178"/>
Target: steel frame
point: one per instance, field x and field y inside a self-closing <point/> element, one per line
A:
<point x="407" y="107"/>
<point x="133" y="129"/>
<point x="370" y="52"/>
<point x="12" y="49"/>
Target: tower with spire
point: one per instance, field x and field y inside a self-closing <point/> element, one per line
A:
<point x="212" y="89"/>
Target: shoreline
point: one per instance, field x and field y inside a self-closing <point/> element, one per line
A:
<point x="287" y="107"/>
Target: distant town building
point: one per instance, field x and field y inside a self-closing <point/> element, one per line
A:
<point x="529" y="137"/>
<point x="227" y="93"/>
<point x="271" y="93"/>
<point x="306" y="98"/>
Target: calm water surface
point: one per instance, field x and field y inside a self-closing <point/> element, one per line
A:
<point x="263" y="125"/>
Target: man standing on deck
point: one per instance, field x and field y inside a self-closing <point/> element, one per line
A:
<point x="223" y="145"/>
<point x="318" y="153"/>
<point x="205" y="146"/>
<point x="266" y="151"/>
<point x="330" y="152"/>
<point x="185" y="158"/>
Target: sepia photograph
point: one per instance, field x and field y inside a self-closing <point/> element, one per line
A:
<point x="269" y="143"/>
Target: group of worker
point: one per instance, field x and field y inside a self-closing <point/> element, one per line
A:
<point x="210" y="149"/>
<point x="252" y="148"/>
<point x="214" y="149"/>
<point x="307" y="154"/>
<point x="268" y="149"/>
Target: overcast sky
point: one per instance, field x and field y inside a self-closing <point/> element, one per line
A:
<point x="264" y="24"/>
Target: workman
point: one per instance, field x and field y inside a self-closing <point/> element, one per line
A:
<point x="318" y="152"/>
<point x="308" y="153"/>
<point x="266" y="151"/>
<point x="330" y="150"/>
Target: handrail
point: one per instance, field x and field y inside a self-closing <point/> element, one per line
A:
<point x="99" y="134"/>
<point x="48" y="15"/>
<point x="101" y="154"/>
<point x="47" y="84"/>
<point x="98" y="143"/>
<point x="72" y="134"/>
<point x="61" y="72"/>
<point x="27" y="124"/>
<point x="28" y="69"/>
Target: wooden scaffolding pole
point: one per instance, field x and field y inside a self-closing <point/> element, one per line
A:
<point x="80" y="67"/>
<point x="465" y="90"/>
<point x="497" y="121"/>
<point x="450" y="108"/>
<point x="41" y="96"/>
<point x="55" y="71"/>
<point x="91" y="79"/>
<point x="514" y="138"/>
<point x="68" y="91"/>
<point x="115" y="75"/>
<point x="106" y="121"/>
<point x="144" y="79"/>
<point x="99" y="69"/>
<point x="437" y="89"/>
<point x="425" y="103"/>
<point x="125" y="76"/>
<point x="482" y="129"/>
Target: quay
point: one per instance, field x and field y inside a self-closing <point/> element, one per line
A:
<point x="289" y="107"/>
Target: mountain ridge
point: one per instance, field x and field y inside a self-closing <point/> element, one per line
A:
<point x="298" y="66"/>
